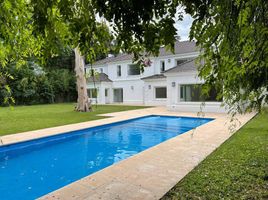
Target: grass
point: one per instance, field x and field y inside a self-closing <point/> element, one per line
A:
<point x="26" y="118"/>
<point x="238" y="169"/>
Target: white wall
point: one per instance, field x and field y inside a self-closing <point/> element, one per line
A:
<point x="174" y="102"/>
<point x="132" y="90"/>
<point x="98" y="68"/>
<point x="111" y="68"/>
<point x="112" y="71"/>
<point x="197" y="107"/>
<point x="100" y="86"/>
<point x="149" y="92"/>
<point x="136" y="91"/>
<point x="171" y="60"/>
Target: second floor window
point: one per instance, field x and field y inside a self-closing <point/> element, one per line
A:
<point x="134" y="69"/>
<point x="162" y="66"/>
<point x="118" y="70"/>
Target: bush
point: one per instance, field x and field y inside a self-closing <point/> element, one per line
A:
<point x="64" y="85"/>
<point x="33" y="85"/>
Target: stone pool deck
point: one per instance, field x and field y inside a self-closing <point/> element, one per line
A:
<point x="149" y="174"/>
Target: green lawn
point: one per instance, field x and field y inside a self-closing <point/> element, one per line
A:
<point x="26" y="118"/>
<point x="238" y="169"/>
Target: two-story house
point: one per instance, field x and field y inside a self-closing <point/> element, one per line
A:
<point x="171" y="80"/>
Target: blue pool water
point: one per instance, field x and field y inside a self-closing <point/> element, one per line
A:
<point x="31" y="169"/>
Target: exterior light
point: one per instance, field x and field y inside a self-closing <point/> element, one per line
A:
<point x="132" y="87"/>
<point x="149" y="87"/>
<point x="173" y="84"/>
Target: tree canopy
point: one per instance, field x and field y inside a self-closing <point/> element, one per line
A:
<point x="231" y="34"/>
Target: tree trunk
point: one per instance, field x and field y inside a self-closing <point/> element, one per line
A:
<point x="83" y="105"/>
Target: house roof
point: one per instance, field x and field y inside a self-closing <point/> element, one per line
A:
<point x="156" y="76"/>
<point x="180" y="48"/>
<point x="101" y="77"/>
<point x="119" y="57"/>
<point x="183" y="67"/>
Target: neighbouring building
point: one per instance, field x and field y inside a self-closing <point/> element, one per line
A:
<point x="171" y="80"/>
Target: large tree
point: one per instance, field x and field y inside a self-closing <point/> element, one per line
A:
<point x="72" y="23"/>
<point x="231" y="35"/>
<point x="16" y="40"/>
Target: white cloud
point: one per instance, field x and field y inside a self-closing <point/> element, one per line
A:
<point x="183" y="27"/>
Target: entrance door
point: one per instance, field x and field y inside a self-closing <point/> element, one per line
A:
<point x="118" y="95"/>
<point x="107" y="95"/>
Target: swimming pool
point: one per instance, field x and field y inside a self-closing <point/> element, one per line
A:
<point x="34" y="168"/>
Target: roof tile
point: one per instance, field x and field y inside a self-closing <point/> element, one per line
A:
<point x="101" y="77"/>
<point x="180" y="48"/>
<point x="186" y="66"/>
<point x="156" y="76"/>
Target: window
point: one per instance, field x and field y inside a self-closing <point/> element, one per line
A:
<point x="180" y="61"/>
<point x="92" y="93"/>
<point x="193" y="92"/>
<point x="118" y="95"/>
<point x="106" y="92"/>
<point x="182" y="93"/>
<point x="161" y="93"/>
<point x="118" y="70"/>
<point x="101" y="70"/>
<point x="134" y="69"/>
<point x="162" y="66"/>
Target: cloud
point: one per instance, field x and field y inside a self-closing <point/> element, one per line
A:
<point x="183" y="27"/>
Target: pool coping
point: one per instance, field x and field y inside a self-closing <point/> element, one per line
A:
<point x="46" y="132"/>
<point x="93" y="127"/>
<point x="150" y="173"/>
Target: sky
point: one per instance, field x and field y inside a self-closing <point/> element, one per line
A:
<point x="183" y="27"/>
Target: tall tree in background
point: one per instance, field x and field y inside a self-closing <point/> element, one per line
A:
<point x="16" y="40"/>
<point x="72" y="23"/>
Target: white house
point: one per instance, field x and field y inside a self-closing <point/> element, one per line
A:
<point x="171" y="80"/>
